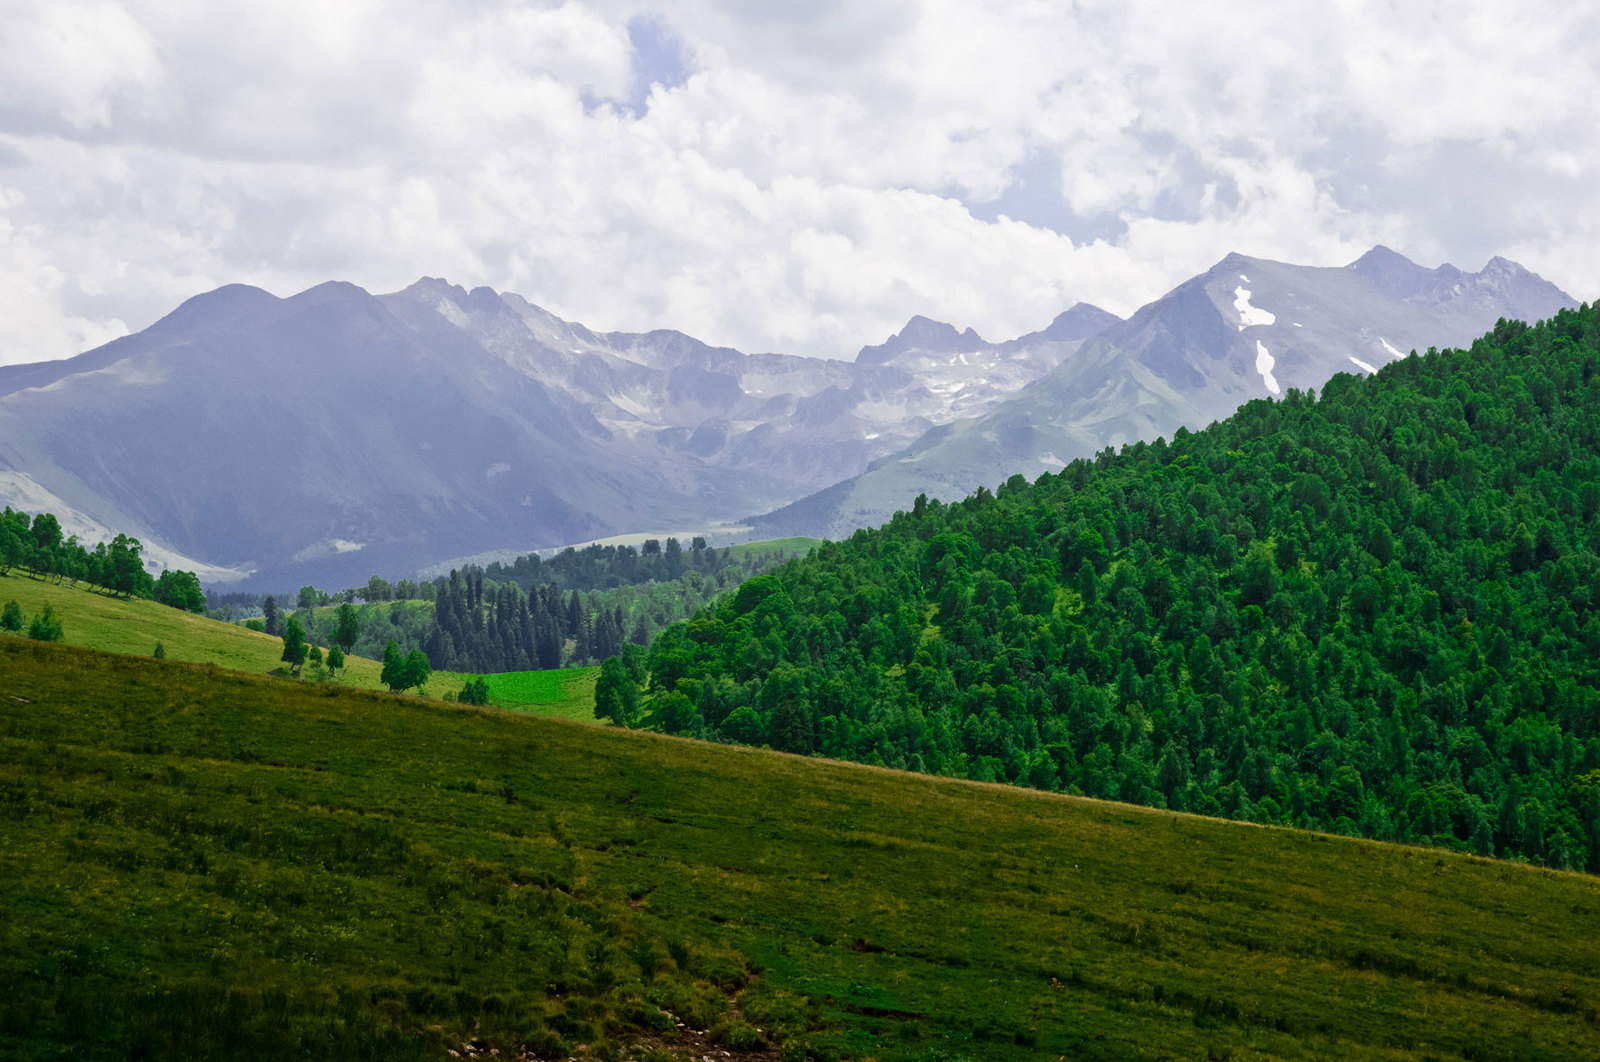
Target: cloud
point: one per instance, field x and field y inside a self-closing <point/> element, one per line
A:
<point x="770" y="175"/>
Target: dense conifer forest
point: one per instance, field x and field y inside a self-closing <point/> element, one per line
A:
<point x="503" y="618"/>
<point x="577" y="608"/>
<point x="602" y="566"/>
<point x="1373" y="611"/>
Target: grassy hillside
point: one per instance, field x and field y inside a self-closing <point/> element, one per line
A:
<point x="202" y="864"/>
<point x="96" y="620"/>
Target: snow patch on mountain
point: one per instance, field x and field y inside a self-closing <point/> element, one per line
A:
<point x="1250" y="315"/>
<point x="1363" y="364"/>
<point x="632" y="405"/>
<point x="1390" y="348"/>
<point x="451" y="312"/>
<point x="327" y="547"/>
<point x="1264" y="364"/>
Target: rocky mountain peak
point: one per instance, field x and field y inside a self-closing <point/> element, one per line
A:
<point x="1081" y="321"/>
<point x="924" y="334"/>
<point x="1393" y="274"/>
<point x="213" y="308"/>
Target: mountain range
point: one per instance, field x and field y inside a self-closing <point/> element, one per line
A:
<point x="336" y="433"/>
<point x="1247" y="328"/>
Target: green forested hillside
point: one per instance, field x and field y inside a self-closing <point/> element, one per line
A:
<point x="203" y="864"/>
<point x="1373" y="611"/>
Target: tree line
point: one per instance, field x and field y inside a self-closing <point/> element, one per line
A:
<point x="116" y="567"/>
<point x="600" y="567"/>
<point x="1375" y="612"/>
<point x="468" y="621"/>
<point x="591" y="568"/>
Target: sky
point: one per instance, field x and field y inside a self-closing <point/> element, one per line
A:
<point x="770" y="175"/>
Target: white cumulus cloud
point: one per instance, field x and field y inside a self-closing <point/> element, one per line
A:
<point x="770" y="175"/>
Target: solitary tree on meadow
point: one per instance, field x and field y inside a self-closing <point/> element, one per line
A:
<point x="294" y="644"/>
<point x="401" y="673"/>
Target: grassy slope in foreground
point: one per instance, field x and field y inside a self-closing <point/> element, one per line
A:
<point x="212" y="864"/>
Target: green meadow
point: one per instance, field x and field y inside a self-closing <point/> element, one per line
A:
<point x="201" y="863"/>
<point x="567" y="692"/>
<point x="96" y="620"/>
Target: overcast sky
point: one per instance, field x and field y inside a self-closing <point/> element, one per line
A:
<point x="773" y="175"/>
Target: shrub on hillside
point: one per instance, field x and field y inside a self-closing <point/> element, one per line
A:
<point x="45" y="626"/>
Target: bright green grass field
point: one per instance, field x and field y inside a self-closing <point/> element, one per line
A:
<point x="96" y="620"/>
<point x="567" y="693"/>
<point x="791" y="547"/>
<point x="205" y="864"/>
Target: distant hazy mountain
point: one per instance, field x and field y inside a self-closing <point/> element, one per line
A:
<point x="335" y="434"/>
<point x="1247" y="328"/>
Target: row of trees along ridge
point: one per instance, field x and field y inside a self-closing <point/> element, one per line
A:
<point x="117" y="567"/>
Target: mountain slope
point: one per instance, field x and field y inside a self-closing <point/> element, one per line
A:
<point x="351" y="431"/>
<point x="278" y="874"/>
<point x="1247" y="328"/>
<point x="1375" y="613"/>
<point x="386" y="433"/>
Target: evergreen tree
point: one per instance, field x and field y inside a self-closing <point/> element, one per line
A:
<point x="294" y="645"/>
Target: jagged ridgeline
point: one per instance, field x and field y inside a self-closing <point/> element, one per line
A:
<point x="1373" y="611"/>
